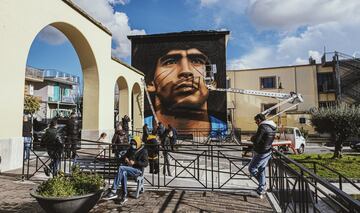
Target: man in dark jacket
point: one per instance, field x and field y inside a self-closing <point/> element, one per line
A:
<point x="73" y="135"/>
<point x="136" y="159"/>
<point x="54" y="145"/>
<point x="172" y="136"/>
<point x="262" y="140"/>
<point x="118" y="142"/>
<point x="146" y="133"/>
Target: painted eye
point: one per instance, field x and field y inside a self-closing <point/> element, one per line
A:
<point x="169" y="61"/>
<point x="198" y="61"/>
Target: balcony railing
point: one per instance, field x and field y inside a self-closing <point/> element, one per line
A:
<point x="34" y="74"/>
<point x="63" y="77"/>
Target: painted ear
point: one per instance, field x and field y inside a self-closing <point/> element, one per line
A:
<point x="151" y="87"/>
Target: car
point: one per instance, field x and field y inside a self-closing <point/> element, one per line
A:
<point x="355" y="145"/>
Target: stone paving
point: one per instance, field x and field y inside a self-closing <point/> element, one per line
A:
<point x="15" y="197"/>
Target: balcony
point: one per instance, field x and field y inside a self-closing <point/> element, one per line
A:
<point x="68" y="99"/>
<point x="61" y="77"/>
<point x="33" y="74"/>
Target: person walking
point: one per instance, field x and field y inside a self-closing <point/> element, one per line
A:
<point x="146" y="133"/>
<point x="172" y="136"/>
<point x="166" y="146"/>
<point x="125" y="123"/>
<point x="160" y="131"/>
<point x="262" y="140"/>
<point x="27" y="134"/>
<point x="73" y="136"/>
<point x="54" y="146"/>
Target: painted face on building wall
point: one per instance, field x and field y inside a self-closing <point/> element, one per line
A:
<point x="179" y="79"/>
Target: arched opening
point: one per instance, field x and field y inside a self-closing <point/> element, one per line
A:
<point x="62" y="91"/>
<point x="121" y="107"/>
<point x="136" y="106"/>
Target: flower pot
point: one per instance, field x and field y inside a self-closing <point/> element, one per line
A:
<point x="75" y="204"/>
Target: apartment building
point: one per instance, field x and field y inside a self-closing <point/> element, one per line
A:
<point x="315" y="82"/>
<point x="57" y="91"/>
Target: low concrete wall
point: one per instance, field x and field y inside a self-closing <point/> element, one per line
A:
<point x="11" y="153"/>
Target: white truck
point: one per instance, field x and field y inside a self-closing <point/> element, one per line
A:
<point x="293" y="134"/>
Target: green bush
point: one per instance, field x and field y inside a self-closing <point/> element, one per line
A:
<point x="80" y="183"/>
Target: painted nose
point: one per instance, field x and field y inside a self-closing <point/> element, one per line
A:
<point x="185" y="69"/>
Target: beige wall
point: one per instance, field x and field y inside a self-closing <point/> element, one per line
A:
<point x="300" y="79"/>
<point x="19" y="25"/>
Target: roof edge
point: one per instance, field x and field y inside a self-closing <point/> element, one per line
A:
<point x="87" y="16"/>
<point x="183" y="33"/>
<point x="127" y="65"/>
<point x="268" y="68"/>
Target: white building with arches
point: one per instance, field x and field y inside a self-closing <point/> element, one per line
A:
<point x="20" y="22"/>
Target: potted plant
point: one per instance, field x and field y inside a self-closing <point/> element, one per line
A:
<point x="71" y="194"/>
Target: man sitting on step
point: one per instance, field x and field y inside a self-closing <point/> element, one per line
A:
<point x="136" y="159"/>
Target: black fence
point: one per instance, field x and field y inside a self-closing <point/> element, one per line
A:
<point x="199" y="166"/>
<point x="298" y="189"/>
<point x="205" y="136"/>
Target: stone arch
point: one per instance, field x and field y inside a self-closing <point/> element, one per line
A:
<point x="136" y="107"/>
<point x="90" y="114"/>
<point x="123" y="91"/>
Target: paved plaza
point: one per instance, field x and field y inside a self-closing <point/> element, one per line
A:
<point x="15" y="197"/>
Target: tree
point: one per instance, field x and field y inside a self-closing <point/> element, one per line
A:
<point x="31" y="105"/>
<point x="341" y="121"/>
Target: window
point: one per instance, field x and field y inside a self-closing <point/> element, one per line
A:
<point x="268" y="82"/>
<point x="298" y="134"/>
<point x="326" y="82"/>
<point x="325" y="104"/>
<point x="228" y="83"/>
<point x="302" y="120"/>
<point x="267" y="106"/>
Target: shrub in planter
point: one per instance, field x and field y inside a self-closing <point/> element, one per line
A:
<point x="76" y="193"/>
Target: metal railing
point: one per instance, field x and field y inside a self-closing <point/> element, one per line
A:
<point x="340" y="178"/>
<point x="34" y="73"/>
<point x="298" y="189"/>
<point x="205" y="136"/>
<point x="213" y="167"/>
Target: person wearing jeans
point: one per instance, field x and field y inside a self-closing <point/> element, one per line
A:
<point x="27" y="134"/>
<point x="262" y="140"/>
<point x="136" y="159"/>
<point x="54" y="145"/>
<point x="257" y="168"/>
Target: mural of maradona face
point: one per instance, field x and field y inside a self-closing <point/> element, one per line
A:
<point x="174" y="73"/>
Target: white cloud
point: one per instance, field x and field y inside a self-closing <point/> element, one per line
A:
<point x="324" y="23"/>
<point x="52" y="36"/>
<point x="234" y="6"/>
<point x="102" y="11"/>
<point x="207" y="3"/>
<point x="259" y="57"/>
<point x="291" y="14"/>
<point x="123" y="2"/>
<point x="117" y="22"/>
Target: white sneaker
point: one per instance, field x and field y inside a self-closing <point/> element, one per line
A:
<point x="123" y="201"/>
<point x="110" y="195"/>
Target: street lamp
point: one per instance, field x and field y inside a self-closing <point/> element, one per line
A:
<point x="279" y="90"/>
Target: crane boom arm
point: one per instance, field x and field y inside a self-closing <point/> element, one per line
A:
<point x="287" y="98"/>
<point x="253" y="92"/>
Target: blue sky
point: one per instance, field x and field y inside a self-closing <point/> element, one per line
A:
<point x="264" y="33"/>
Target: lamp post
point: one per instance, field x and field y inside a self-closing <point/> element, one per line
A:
<point x="279" y="90"/>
